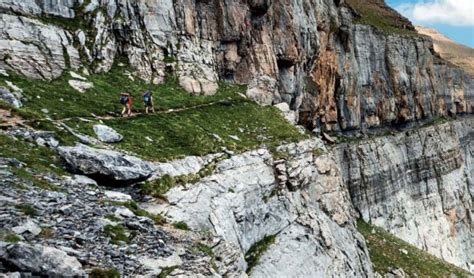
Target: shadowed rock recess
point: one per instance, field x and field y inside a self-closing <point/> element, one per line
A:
<point x="264" y="198"/>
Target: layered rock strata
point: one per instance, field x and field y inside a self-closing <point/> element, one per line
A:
<point x="418" y="185"/>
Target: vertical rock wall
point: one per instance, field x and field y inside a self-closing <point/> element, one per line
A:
<point x="419" y="186"/>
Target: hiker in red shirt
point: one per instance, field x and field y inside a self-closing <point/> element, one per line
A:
<point x="126" y="101"/>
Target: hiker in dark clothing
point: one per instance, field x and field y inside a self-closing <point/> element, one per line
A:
<point x="126" y="101"/>
<point x="148" y="99"/>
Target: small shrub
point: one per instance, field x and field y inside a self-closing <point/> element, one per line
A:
<point x="181" y="225"/>
<point x="27" y="209"/>
<point x="201" y="247"/>
<point x="158" y="187"/>
<point x="166" y="271"/>
<point x="8" y="236"/>
<point x="117" y="233"/>
<point x="256" y="250"/>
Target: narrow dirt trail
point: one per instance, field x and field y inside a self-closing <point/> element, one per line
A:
<point x="136" y="114"/>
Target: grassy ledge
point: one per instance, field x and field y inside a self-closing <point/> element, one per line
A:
<point x="387" y="252"/>
<point x="378" y="15"/>
<point x="183" y="125"/>
<point x="238" y="126"/>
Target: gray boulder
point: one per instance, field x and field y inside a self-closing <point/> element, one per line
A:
<point x="105" y="165"/>
<point x="10" y="98"/>
<point x="41" y="260"/>
<point x="107" y="134"/>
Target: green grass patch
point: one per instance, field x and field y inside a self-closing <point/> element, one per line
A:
<point x="157" y="188"/>
<point x="208" y="124"/>
<point x="104" y="273"/>
<point x="112" y="218"/>
<point x="239" y="126"/>
<point x="385" y="252"/>
<point x="27" y="209"/>
<point x="104" y="97"/>
<point x="256" y="251"/>
<point x="116" y="233"/>
<point x="131" y="205"/>
<point x="8" y="236"/>
<point x="181" y="226"/>
<point x="34" y="156"/>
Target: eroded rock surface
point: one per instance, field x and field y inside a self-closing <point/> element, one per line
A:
<point x="243" y="202"/>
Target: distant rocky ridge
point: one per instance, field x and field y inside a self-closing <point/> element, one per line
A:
<point x="338" y="75"/>
<point x="453" y="52"/>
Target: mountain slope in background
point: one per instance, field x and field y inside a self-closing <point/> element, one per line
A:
<point x="455" y="53"/>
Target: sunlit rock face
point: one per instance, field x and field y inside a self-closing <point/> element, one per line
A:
<point x="306" y="207"/>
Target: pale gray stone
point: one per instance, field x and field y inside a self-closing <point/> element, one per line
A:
<point x="107" y="134"/>
<point x="105" y="163"/>
<point x="80" y="86"/>
<point x="41" y="260"/>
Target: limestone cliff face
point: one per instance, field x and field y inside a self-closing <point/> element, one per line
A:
<point x="419" y="186"/>
<point x="338" y="75"/>
<point x="251" y="196"/>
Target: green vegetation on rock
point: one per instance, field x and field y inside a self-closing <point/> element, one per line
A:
<point x="62" y="101"/>
<point x="256" y="251"/>
<point x="181" y="226"/>
<point x="26" y="209"/>
<point x="132" y="206"/>
<point x="166" y="271"/>
<point x="239" y="125"/>
<point x="37" y="159"/>
<point x="8" y="236"/>
<point x="389" y="252"/>
<point x="104" y="273"/>
<point x="157" y="188"/>
<point x="116" y="233"/>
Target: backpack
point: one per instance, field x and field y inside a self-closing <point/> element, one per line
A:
<point x="123" y="99"/>
<point x="146" y="97"/>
